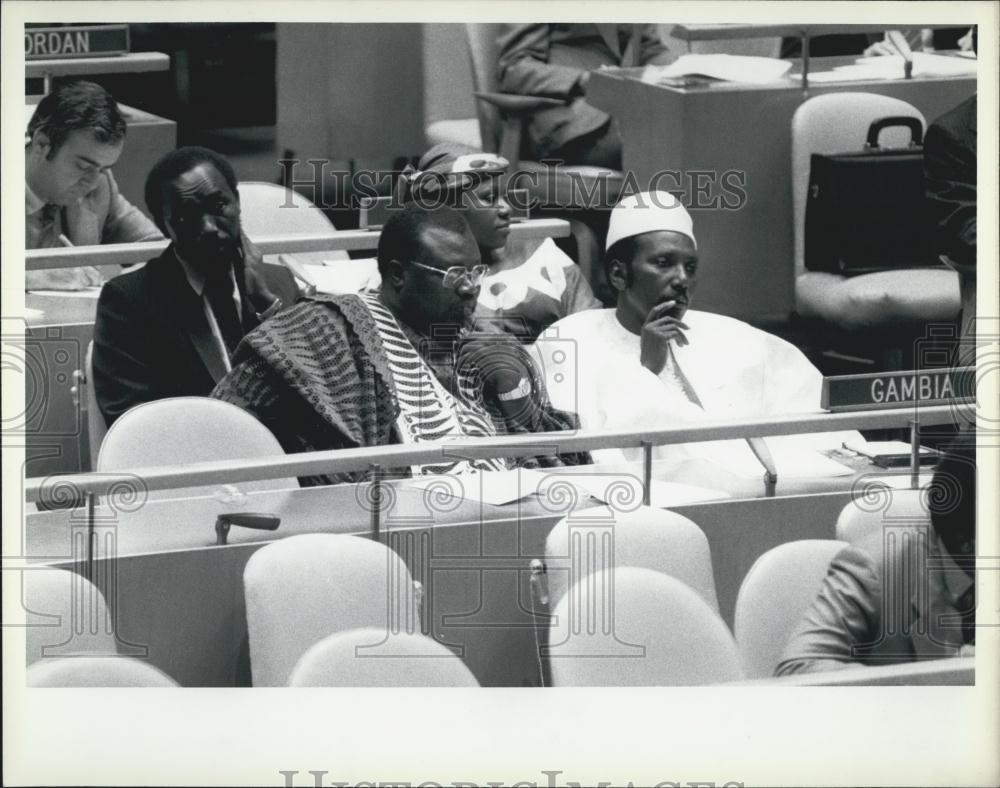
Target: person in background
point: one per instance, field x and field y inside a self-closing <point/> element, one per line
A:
<point x="890" y="599"/>
<point x="529" y="284"/>
<point x="169" y="329"/>
<point x="397" y="365"/>
<point x="74" y="138"/>
<point x="950" y="176"/>
<point x="555" y="61"/>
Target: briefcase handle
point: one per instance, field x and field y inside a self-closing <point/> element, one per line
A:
<point x="913" y="124"/>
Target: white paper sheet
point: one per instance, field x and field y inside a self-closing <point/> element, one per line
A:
<point x="493" y="487"/>
<point x="609" y="488"/>
<point x="790" y="462"/>
<point x="925" y="64"/>
<point x="731" y="68"/>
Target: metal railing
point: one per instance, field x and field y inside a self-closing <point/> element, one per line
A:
<point x="286" y="243"/>
<point x="321" y="463"/>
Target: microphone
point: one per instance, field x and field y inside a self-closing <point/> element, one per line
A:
<point x="898" y="40"/>
<point x="759" y="448"/>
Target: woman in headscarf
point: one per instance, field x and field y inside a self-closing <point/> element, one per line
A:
<point x="530" y="284"/>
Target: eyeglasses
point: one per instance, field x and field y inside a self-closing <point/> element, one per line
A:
<point x="457" y="275"/>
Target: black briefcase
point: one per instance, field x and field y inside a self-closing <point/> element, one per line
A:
<point x="866" y="211"/>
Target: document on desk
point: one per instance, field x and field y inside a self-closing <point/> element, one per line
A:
<point x="493" y="487"/>
<point x="730" y="68"/>
<point x="791" y="463"/>
<point x="925" y="64"/>
<point x="615" y="489"/>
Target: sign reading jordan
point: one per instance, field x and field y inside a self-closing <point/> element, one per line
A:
<point x="70" y="41"/>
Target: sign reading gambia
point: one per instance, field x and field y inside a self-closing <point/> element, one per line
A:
<point x="898" y="389"/>
<point x="75" y="41"/>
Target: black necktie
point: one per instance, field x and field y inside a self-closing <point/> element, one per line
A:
<point x="219" y="290"/>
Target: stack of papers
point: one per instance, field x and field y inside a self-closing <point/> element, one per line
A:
<point x="925" y="64"/>
<point x="731" y="68"/>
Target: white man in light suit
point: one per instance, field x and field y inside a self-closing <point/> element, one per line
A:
<point x="75" y="136"/>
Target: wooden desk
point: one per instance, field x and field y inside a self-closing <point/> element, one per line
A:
<point x="747" y="259"/>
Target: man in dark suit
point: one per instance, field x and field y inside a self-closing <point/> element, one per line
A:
<point x="170" y="328"/>
<point x="950" y="176"/>
<point x="555" y="61"/>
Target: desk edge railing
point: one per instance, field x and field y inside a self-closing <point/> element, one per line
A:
<point x="402" y="455"/>
<point x="286" y="243"/>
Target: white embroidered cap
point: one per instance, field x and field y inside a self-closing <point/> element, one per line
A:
<point x="647" y="212"/>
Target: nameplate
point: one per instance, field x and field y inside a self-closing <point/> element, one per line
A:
<point x="898" y="389"/>
<point x="75" y="41"/>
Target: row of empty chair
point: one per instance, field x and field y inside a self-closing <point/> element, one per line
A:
<point x="630" y="602"/>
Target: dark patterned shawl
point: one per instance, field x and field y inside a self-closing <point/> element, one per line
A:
<point x="316" y="376"/>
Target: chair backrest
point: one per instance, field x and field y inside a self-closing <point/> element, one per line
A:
<point x="774" y="596"/>
<point x="903" y="507"/>
<point x="648" y="538"/>
<point x="636" y="627"/>
<point x="303" y="588"/>
<point x="410" y="660"/>
<point x="97" y="672"/>
<point x="273" y="209"/>
<point x="180" y="430"/>
<point x="97" y="427"/>
<point x="66" y="616"/>
<point x="836" y="123"/>
<point x="483" y="55"/>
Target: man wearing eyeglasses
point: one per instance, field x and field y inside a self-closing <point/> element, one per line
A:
<point x="75" y="136"/>
<point x="400" y="365"/>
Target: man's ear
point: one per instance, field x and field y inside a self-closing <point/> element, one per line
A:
<point x="618" y="275"/>
<point x="41" y="142"/>
<point x="396" y="273"/>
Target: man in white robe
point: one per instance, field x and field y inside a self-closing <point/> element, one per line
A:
<point x="650" y="362"/>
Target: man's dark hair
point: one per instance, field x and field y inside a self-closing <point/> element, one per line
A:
<point x="77" y="106"/>
<point x="176" y="163"/>
<point x="622" y="251"/>
<point x="402" y="235"/>
<point x="951" y="497"/>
